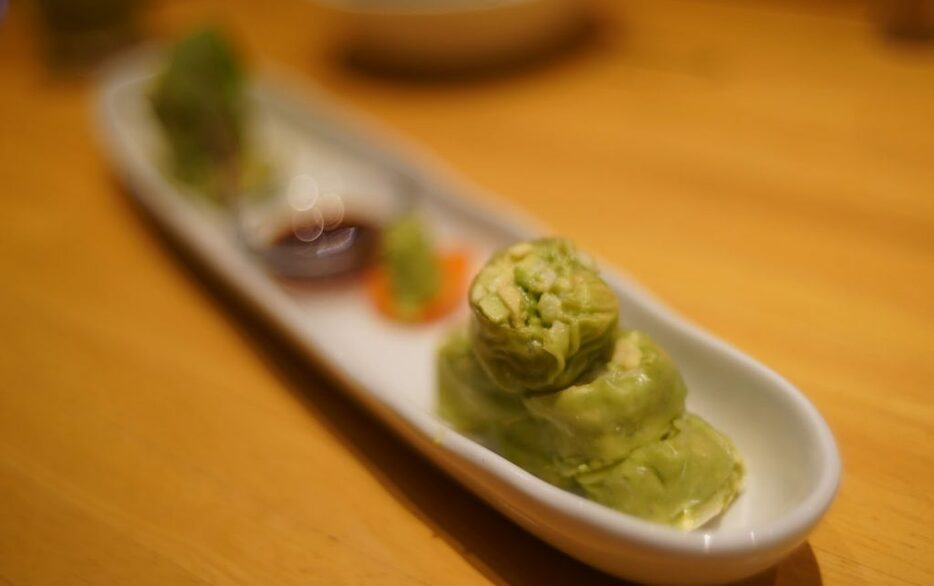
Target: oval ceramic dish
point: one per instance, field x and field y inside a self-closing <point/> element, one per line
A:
<point x="792" y="459"/>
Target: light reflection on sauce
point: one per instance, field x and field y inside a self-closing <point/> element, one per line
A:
<point x="308" y="252"/>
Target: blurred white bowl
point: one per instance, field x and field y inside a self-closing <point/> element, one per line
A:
<point x="451" y="34"/>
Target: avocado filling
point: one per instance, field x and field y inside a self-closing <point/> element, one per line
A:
<point x="542" y="316"/>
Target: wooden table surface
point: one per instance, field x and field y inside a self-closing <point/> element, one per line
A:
<point x="767" y="169"/>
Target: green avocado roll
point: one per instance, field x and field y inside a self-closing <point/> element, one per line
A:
<point x="467" y="397"/>
<point x="623" y="404"/>
<point x="200" y="104"/>
<point x="544" y="376"/>
<point x="474" y="405"/>
<point x="683" y="479"/>
<point x="541" y="316"/>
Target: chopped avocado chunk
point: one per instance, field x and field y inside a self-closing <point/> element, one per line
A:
<point x="494" y="309"/>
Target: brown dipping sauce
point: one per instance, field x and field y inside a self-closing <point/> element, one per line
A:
<point x="310" y="252"/>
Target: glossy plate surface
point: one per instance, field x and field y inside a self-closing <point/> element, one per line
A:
<point x="792" y="459"/>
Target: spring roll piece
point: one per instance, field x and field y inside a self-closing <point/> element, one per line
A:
<point x="541" y="316"/>
<point x="625" y="404"/>
<point x="199" y="102"/>
<point x="620" y="406"/>
<point x="472" y="404"/>
<point x="684" y="479"/>
<point x="467" y="398"/>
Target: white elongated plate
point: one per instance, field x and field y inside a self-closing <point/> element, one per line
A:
<point x="792" y="459"/>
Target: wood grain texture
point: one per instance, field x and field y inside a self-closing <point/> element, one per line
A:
<point x="766" y="169"/>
